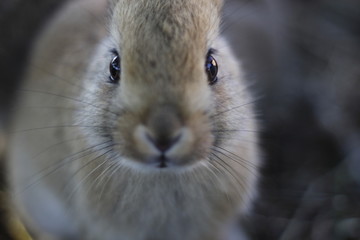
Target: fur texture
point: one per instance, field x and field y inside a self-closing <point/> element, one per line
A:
<point x="81" y="162"/>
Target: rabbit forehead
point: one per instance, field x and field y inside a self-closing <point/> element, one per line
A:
<point x="169" y="18"/>
<point x="172" y="34"/>
<point x="163" y="46"/>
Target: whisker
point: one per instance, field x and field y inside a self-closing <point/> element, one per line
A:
<point x="100" y="178"/>
<point x="236" y="130"/>
<point x="234" y="108"/>
<point x="211" y="170"/>
<point x="45" y="107"/>
<point x="57" y="76"/>
<point x="53" y="168"/>
<point x="108" y="179"/>
<point x="58" y="126"/>
<point x="217" y="169"/>
<point x="67" y="97"/>
<point x="237" y="138"/>
<point x="55" y="145"/>
<point x="228" y="169"/>
<point x="242" y="192"/>
<point x="90" y="173"/>
<point x="245" y="164"/>
<point x="237" y="156"/>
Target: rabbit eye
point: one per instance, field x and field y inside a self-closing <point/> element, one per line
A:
<point x="115" y="69"/>
<point x="211" y="68"/>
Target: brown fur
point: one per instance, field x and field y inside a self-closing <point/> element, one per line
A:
<point x="113" y="191"/>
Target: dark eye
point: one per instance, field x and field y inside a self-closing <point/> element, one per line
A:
<point x="115" y="69"/>
<point x="211" y="68"/>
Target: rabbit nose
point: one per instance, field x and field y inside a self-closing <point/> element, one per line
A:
<point x="162" y="131"/>
<point x="150" y="143"/>
<point x="164" y="127"/>
<point x="163" y="143"/>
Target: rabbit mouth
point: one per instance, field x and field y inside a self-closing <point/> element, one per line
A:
<point x="163" y="162"/>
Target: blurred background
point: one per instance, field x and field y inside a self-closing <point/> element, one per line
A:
<point x="302" y="61"/>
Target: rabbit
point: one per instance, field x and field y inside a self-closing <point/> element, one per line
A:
<point x="133" y="122"/>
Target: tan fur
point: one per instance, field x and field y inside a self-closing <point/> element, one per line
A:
<point x="114" y="190"/>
